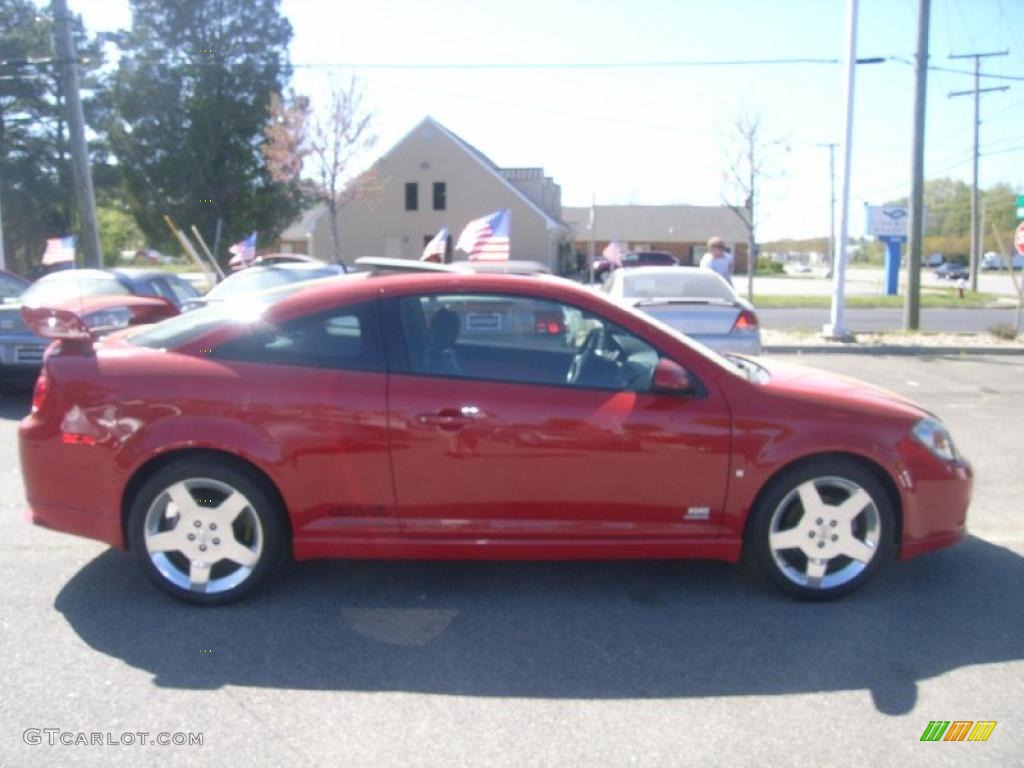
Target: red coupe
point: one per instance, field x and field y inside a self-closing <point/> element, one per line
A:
<point x="419" y="415"/>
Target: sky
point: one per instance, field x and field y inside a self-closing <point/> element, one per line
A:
<point x="567" y="85"/>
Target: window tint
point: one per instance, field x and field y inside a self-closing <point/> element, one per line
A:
<point x="412" y="196"/>
<point x="345" y="338"/>
<point x="440" y="195"/>
<point x="522" y="339"/>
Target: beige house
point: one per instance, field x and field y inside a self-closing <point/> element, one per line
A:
<point x="433" y="179"/>
<point x="298" y="238"/>
<point x="682" y="230"/>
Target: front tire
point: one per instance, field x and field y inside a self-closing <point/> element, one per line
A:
<point x="205" y="532"/>
<point x="822" y="529"/>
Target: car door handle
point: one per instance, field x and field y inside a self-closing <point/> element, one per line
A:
<point x="451" y="418"/>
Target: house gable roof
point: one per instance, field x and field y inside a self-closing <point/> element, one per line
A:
<point x="304" y="225"/>
<point x="485" y="162"/>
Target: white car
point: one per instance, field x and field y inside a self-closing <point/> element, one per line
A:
<point x="993" y="260"/>
<point x="695" y="301"/>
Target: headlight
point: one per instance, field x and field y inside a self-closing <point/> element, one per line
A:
<point x="935" y="438"/>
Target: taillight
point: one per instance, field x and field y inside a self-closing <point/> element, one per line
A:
<point x="550" y="323"/>
<point x="42" y="389"/>
<point x="746" y="321"/>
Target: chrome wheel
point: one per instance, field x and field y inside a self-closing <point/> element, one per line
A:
<point x="825" y="532"/>
<point x="822" y="528"/>
<point x="203" y="535"/>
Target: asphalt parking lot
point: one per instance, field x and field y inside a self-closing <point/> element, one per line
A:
<point x="520" y="664"/>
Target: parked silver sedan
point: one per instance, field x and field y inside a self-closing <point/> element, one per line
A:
<point x="695" y="301"/>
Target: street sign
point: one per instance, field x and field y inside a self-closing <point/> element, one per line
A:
<point x="886" y="221"/>
<point x="1020" y="207"/>
<point x="1018" y="238"/>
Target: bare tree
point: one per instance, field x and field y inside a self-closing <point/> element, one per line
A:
<point x="335" y="141"/>
<point x="298" y="137"/>
<point x="751" y="157"/>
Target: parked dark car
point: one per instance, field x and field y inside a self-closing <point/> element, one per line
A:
<point x="603" y="267"/>
<point x="952" y="271"/>
<point x="21" y="351"/>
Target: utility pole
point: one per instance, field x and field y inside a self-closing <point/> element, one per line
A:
<point x="912" y="303"/>
<point x="90" y="239"/>
<point x="976" y="92"/>
<point x="835" y="328"/>
<point x="832" y="205"/>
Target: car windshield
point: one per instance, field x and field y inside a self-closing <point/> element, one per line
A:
<point x="66" y="286"/>
<point x="258" y="279"/>
<point x="674" y="285"/>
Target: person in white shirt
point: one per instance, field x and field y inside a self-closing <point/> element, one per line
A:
<point x="718" y="259"/>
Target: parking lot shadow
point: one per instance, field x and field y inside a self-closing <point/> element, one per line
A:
<point x="562" y="630"/>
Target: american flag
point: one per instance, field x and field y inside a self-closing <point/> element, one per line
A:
<point x="244" y="250"/>
<point x="436" y="248"/>
<point x="59" y="249"/>
<point x="486" y="239"/>
<point x="613" y="253"/>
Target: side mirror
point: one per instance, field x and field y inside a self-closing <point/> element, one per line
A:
<point x="671" y="378"/>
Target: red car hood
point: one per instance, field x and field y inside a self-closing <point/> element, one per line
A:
<point x="808" y="383"/>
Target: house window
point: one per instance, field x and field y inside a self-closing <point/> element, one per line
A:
<point x="440" y="195"/>
<point x="412" y="196"/>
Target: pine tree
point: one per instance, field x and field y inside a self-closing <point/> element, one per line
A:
<point x="189" y="102"/>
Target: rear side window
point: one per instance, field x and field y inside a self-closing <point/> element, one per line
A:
<point x="175" y="291"/>
<point x="346" y="338"/>
<point x="181" y="329"/>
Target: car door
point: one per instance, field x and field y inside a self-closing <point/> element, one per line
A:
<point x="515" y="429"/>
<point x="315" y="385"/>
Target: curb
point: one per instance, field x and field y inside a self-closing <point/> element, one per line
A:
<point x="887" y="349"/>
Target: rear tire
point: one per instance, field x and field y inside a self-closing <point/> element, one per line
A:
<point x="822" y="529"/>
<point x="205" y="532"/>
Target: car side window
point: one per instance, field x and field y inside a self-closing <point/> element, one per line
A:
<point x="522" y="339"/>
<point x="176" y="292"/>
<point x="345" y="338"/>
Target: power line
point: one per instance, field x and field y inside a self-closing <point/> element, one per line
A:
<point x="1003" y="151"/>
<point x="583" y="64"/>
<point x="980" y="74"/>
